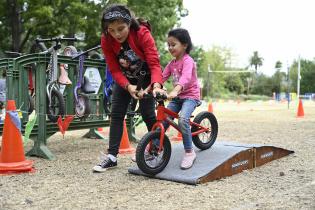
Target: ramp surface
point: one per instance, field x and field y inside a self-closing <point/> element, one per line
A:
<point x="222" y="159"/>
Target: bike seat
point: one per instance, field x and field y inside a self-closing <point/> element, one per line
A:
<point x="87" y="87"/>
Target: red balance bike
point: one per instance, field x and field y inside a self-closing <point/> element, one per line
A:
<point x="154" y="150"/>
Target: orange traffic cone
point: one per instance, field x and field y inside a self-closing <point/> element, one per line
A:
<point x="125" y="147"/>
<point x="178" y="137"/>
<point x="210" y="108"/>
<point x="300" y="112"/>
<point x="12" y="158"/>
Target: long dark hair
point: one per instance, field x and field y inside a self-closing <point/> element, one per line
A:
<point x="124" y="14"/>
<point x="183" y="37"/>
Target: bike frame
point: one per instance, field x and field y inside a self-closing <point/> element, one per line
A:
<point x="81" y="57"/>
<point x="53" y="50"/>
<point x="165" y="114"/>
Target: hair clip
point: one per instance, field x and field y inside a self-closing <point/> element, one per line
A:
<point x="115" y="15"/>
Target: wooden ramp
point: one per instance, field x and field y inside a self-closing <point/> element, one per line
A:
<point x="223" y="159"/>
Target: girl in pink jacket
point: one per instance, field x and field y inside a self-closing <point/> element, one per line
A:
<point x="185" y="96"/>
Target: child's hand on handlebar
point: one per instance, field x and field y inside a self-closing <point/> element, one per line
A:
<point x="172" y="94"/>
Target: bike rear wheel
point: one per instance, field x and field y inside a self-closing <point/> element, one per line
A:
<point x="57" y="106"/>
<point x="206" y="139"/>
<point x="82" y="106"/>
<point x="31" y="104"/>
<point x="107" y="103"/>
<point x="148" y="159"/>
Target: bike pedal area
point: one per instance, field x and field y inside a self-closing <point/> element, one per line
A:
<point x="224" y="158"/>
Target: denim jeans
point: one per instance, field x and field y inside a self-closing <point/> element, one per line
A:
<point x="186" y="108"/>
<point x="120" y="101"/>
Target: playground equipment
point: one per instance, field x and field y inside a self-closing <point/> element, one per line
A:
<point x="204" y="129"/>
<point x="225" y="158"/>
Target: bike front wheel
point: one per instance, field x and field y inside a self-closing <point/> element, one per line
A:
<point x="57" y="106"/>
<point x="206" y="139"/>
<point x="149" y="160"/>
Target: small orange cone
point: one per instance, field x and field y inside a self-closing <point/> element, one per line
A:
<point x="12" y="158"/>
<point x="178" y="137"/>
<point x="125" y="147"/>
<point x="300" y="112"/>
<point x="210" y="108"/>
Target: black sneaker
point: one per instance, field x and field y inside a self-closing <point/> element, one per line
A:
<point x="107" y="163"/>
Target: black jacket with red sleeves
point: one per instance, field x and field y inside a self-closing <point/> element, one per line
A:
<point x="142" y="43"/>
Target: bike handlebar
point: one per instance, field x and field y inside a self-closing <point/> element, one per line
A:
<point x="57" y="39"/>
<point x="158" y="97"/>
<point x="85" y="52"/>
<point x="13" y="54"/>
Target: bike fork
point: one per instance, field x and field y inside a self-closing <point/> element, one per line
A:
<point x="159" y="126"/>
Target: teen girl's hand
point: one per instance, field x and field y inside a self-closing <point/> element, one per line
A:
<point x="142" y="92"/>
<point x="133" y="92"/>
<point x="124" y="63"/>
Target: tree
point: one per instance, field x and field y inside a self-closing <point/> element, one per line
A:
<point x="22" y="21"/>
<point x="278" y="65"/>
<point x="277" y="78"/>
<point x="256" y="61"/>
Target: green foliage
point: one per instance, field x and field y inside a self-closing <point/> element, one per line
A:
<point x="278" y="82"/>
<point x="278" y="65"/>
<point x="163" y="15"/>
<point x="263" y="85"/>
<point x="21" y="21"/>
<point x="234" y="83"/>
<point x="220" y="59"/>
<point x="47" y="18"/>
<point x="307" y="83"/>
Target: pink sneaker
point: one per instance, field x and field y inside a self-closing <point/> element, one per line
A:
<point x="188" y="160"/>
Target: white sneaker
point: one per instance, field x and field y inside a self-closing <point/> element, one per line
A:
<point x="106" y="163"/>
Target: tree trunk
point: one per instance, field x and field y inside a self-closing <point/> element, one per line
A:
<point x="15" y="24"/>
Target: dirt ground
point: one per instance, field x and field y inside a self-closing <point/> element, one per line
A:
<point x="287" y="183"/>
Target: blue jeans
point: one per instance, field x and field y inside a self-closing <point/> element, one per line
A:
<point x="186" y="108"/>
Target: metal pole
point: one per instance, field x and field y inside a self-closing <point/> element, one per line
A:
<point x="288" y="80"/>
<point x="298" y="78"/>
<point x="208" y="82"/>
